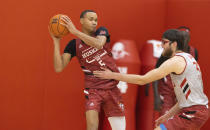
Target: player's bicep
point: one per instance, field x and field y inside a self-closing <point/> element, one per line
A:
<point x="167" y="67"/>
<point x="102" y="39"/>
<point x="66" y="57"/>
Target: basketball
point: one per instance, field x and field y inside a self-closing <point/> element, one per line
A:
<point x="57" y="29"/>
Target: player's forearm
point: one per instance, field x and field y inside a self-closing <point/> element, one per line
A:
<point x="153" y="75"/>
<point x="173" y="110"/>
<point x="58" y="63"/>
<point x="129" y="78"/>
<point x="149" y="77"/>
<point x="91" y="41"/>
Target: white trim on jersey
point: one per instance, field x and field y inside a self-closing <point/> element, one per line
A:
<point x="86" y="92"/>
<point x="86" y="71"/>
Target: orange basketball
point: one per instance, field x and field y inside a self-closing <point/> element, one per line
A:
<point x="56" y="28"/>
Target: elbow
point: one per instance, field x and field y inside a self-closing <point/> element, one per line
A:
<point x="140" y="83"/>
<point x="99" y="47"/>
<point x="143" y="83"/>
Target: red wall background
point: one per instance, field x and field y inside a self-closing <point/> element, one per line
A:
<point x="34" y="97"/>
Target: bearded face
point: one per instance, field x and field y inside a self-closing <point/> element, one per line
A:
<point x="168" y="51"/>
<point x="166" y="44"/>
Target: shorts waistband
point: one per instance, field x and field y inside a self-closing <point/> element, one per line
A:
<point x="111" y="88"/>
<point x="198" y="106"/>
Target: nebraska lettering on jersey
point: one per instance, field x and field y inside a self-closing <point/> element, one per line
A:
<point x="89" y="52"/>
<point x="92" y="54"/>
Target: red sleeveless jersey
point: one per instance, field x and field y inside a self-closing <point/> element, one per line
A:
<point x="91" y="59"/>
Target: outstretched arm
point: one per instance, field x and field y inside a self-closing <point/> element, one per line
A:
<point x="175" y="64"/>
<point x="97" y="42"/>
<point x="129" y="78"/>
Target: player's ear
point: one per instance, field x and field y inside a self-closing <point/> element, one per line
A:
<point x="81" y="20"/>
<point x="174" y="44"/>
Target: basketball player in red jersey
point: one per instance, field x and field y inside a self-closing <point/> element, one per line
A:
<point x="191" y="110"/>
<point x="93" y="51"/>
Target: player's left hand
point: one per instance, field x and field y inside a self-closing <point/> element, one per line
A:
<point x="55" y="39"/>
<point x="68" y="24"/>
<point x="106" y="74"/>
<point x="161" y="120"/>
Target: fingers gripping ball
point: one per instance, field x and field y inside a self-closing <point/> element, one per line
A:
<point x="57" y="29"/>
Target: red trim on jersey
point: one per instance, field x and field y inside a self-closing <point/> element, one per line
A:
<point x="183" y="82"/>
<point x="185" y="65"/>
<point x="188" y="93"/>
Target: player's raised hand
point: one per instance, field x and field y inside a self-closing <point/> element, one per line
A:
<point x="68" y="24"/>
<point x="105" y="74"/>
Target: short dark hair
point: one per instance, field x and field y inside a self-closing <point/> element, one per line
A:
<point x="175" y="35"/>
<point x="84" y="12"/>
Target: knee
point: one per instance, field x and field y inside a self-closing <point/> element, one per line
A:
<point x="92" y="120"/>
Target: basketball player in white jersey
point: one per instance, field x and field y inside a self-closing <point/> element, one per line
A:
<point x="191" y="111"/>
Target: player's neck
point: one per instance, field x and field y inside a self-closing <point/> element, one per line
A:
<point x="177" y="51"/>
<point x="87" y="32"/>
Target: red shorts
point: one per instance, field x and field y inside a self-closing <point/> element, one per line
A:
<point x="109" y="100"/>
<point x="189" y="118"/>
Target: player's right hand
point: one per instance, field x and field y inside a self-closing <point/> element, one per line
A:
<point x="68" y="24"/>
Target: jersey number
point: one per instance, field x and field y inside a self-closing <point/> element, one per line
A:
<point x="197" y="66"/>
<point x="195" y="63"/>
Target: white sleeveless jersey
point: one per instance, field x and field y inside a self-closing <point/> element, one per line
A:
<point x="188" y="86"/>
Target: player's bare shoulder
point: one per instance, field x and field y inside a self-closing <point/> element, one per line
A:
<point x="175" y="64"/>
<point x="179" y="60"/>
<point x="179" y="63"/>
